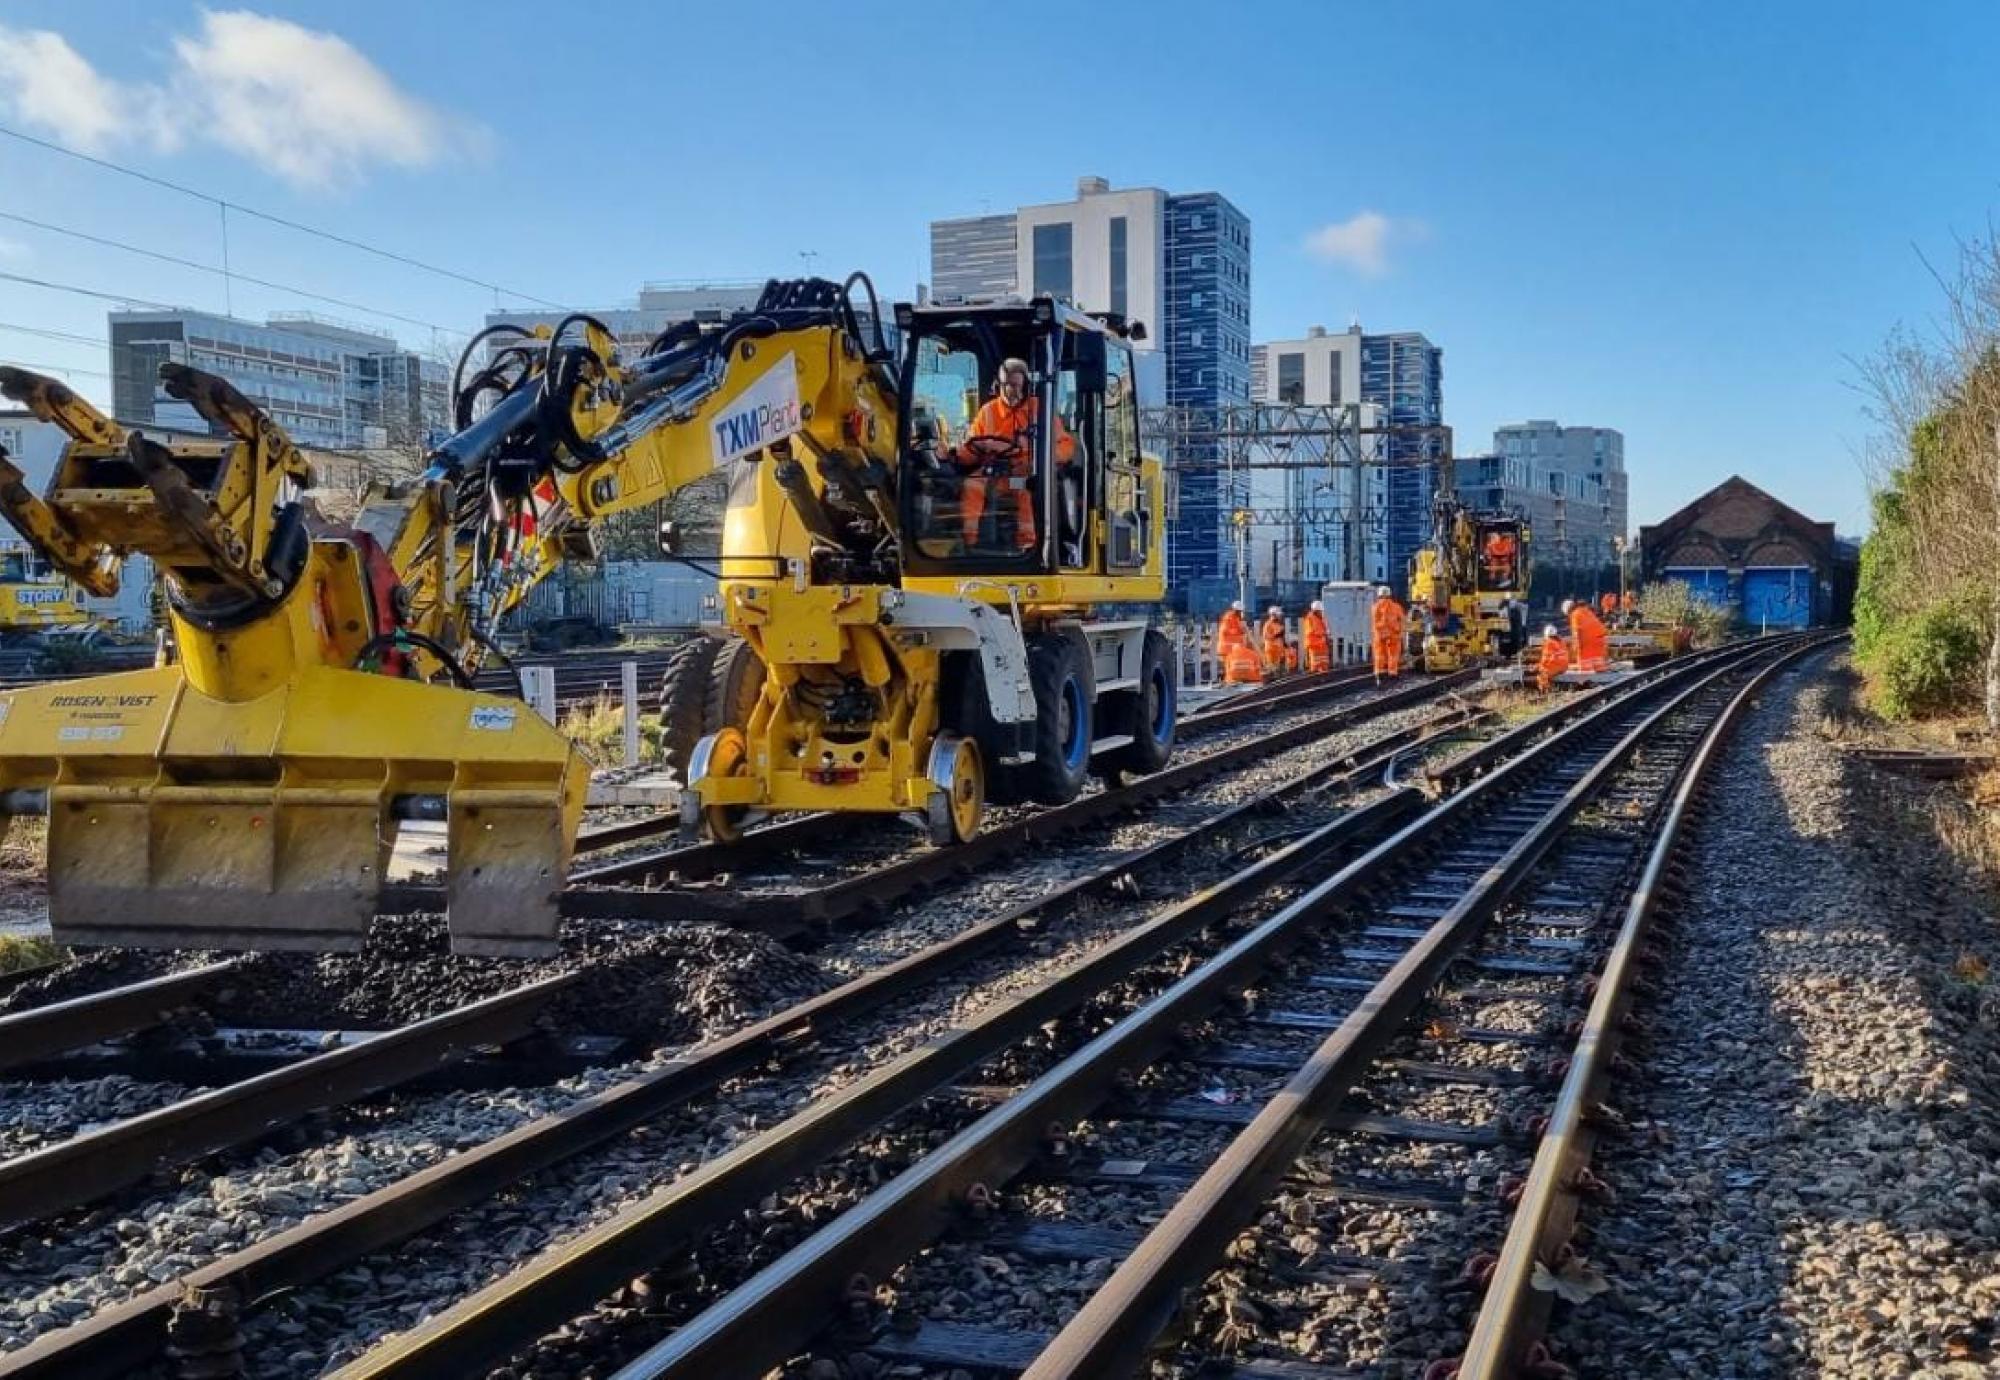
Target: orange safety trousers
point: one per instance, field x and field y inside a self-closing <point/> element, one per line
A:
<point x="972" y="506"/>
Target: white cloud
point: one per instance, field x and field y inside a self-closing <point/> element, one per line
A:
<point x="304" y="103"/>
<point x="1362" y="241"/>
<point x="301" y="103"/>
<point x="46" y="83"/>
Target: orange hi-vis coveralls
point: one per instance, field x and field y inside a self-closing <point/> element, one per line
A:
<point x="1555" y="660"/>
<point x="1630" y="603"/>
<point x="1240" y="665"/>
<point x="1593" y="644"/>
<point x="1385" y="622"/>
<point x="1318" y="646"/>
<point x="1278" y="653"/>
<point x="1010" y="423"/>
<point x="1230" y="633"/>
<point x="1607" y="603"/>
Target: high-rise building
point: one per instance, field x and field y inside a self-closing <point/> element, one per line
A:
<point x="1403" y="373"/>
<point x="973" y="257"/>
<point x="1177" y="264"/>
<point x="1399" y="378"/>
<point x="327" y="384"/>
<point x="1569" y="480"/>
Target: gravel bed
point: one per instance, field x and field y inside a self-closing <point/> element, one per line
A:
<point x="665" y="983"/>
<point x="1810" y="1186"/>
<point x="338" y="1322"/>
<point x="671" y="983"/>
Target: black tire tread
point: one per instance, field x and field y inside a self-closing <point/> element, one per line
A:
<point x="684" y="703"/>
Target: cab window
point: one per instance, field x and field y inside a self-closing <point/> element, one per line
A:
<point x="1128" y="505"/>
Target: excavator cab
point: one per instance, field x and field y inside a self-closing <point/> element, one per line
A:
<point x="1004" y="487"/>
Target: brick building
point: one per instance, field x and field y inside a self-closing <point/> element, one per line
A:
<point x="1741" y="548"/>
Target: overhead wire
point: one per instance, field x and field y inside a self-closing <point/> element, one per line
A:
<point x="124" y="297"/>
<point x="227" y="274"/>
<point x="268" y="217"/>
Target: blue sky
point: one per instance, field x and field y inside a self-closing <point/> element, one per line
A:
<point x="1684" y="221"/>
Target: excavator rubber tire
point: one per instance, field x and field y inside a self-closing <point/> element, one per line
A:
<point x="1059" y="669"/>
<point x="684" y="703"/>
<point x="735" y="681"/>
<point x="1147" y="714"/>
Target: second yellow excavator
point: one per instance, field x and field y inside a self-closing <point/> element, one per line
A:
<point x="912" y="592"/>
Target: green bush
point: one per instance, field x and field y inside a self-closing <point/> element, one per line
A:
<point x="1927" y="664"/>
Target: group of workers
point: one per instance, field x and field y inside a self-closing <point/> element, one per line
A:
<point x="1589" y="646"/>
<point x="1247" y="663"/>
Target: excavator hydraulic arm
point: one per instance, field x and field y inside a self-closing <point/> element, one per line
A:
<point x="248" y="795"/>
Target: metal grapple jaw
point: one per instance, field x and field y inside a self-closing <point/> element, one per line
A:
<point x="180" y="821"/>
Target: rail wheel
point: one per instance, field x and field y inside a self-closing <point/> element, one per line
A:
<point x="724" y="753"/>
<point x="959" y="802"/>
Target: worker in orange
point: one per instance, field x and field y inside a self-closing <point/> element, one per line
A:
<point x="1593" y="644"/>
<point x="1232" y="631"/>
<point x="1607" y="605"/>
<point x="999" y="455"/>
<point x="1555" y="658"/>
<point x="1498" y="558"/>
<point x="1240" y="664"/>
<point x="1313" y="634"/>
<point x="1628" y="605"/>
<point x="1279" y="654"/>
<point x="1385" y="623"/>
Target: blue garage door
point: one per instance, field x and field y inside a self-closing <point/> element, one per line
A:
<point x="1710" y="583"/>
<point x="1778" y="596"/>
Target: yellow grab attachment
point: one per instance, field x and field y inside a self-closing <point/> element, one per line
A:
<point x="178" y="820"/>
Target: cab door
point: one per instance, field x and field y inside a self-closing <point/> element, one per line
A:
<point x="1128" y="502"/>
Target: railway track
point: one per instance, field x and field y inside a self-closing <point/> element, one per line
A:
<point x="118" y="1337"/>
<point x="1131" y="962"/>
<point x="1216" y="1071"/>
<point x="856" y="871"/>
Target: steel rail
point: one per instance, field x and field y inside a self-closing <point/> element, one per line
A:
<point x="16" y="977"/>
<point x="1511" y="1317"/>
<point x="1112" y="1332"/>
<point x="124" y="1336"/>
<point x="765" y="1319"/>
<point x="786" y="914"/>
<point x="706" y="859"/>
<point x="26" y="1036"/>
<point x="569" y="1278"/>
<point x="83" y="1168"/>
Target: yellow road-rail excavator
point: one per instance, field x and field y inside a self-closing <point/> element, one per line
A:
<point x="913" y="590"/>
<point x="1465" y="582"/>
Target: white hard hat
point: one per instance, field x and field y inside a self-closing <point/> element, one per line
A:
<point x="1277" y="612"/>
<point x="1318" y="607"/>
<point x="1550" y="631"/>
<point x="1236" y="604"/>
<point x="1568" y="604"/>
<point x="1382" y="592"/>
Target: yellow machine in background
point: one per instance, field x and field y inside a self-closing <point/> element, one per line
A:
<point x="900" y="650"/>
<point x="32" y="600"/>
<point x="1463" y="583"/>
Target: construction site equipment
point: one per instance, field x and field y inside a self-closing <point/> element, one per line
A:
<point x="35" y="602"/>
<point x="1464" y="583"/>
<point x="884" y="656"/>
<point x="1347" y="604"/>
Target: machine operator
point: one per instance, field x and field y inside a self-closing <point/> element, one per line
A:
<point x="1008" y="469"/>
